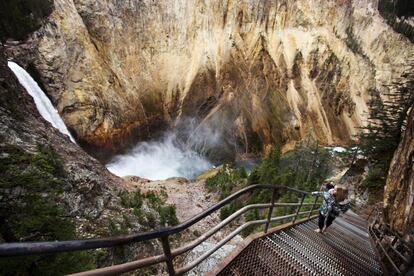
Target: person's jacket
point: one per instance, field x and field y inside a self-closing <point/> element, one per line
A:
<point x="330" y="205"/>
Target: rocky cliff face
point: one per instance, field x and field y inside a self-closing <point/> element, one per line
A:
<point x="247" y="73"/>
<point x="90" y="191"/>
<point x="399" y="191"/>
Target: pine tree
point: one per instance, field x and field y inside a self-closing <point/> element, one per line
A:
<point x="386" y="125"/>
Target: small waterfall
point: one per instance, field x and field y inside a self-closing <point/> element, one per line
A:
<point x="43" y="104"/>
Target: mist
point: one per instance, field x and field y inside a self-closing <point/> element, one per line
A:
<point x="159" y="160"/>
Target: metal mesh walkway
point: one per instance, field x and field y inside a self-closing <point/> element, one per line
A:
<point x="344" y="249"/>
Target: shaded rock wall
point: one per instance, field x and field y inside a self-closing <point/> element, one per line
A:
<point x="247" y="73"/>
<point x="399" y="190"/>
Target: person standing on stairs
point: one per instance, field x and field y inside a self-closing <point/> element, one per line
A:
<point x="335" y="202"/>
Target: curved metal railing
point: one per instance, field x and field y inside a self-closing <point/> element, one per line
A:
<point x="33" y="248"/>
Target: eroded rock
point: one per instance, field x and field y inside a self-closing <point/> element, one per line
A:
<point x="399" y="190"/>
<point x="255" y="73"/>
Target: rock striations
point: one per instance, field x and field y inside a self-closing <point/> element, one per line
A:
<point x="247" y="73"/>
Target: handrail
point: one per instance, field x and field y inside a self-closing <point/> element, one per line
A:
<point x="32" y="248"/>
<point x="129" y="266"/>
<point x="225" y="222"/>
<point x="228" y="238"/>
<point x="397" y="237"/>
<point x="378" y="242"/>
<point x="158" y="259"/>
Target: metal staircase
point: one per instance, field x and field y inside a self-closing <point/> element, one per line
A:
<point x="344" y="249"/>
<point x="289" y="249"/>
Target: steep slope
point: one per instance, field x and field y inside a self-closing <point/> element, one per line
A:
<point x="90" y="189"/>
<point x="247" y="73"/>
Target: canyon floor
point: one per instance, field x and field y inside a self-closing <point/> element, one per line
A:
<point x="189" y="197"/>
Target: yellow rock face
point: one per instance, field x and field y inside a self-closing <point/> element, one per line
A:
<point x="250" y="73"/>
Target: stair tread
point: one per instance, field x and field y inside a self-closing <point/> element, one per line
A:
<point x="344" y="249"/>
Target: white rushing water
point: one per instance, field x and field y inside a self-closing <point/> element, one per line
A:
<point x="159" y="160"/>
<point x="43" y="104"/>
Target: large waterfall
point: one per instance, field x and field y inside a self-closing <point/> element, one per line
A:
<point x="158" y="160"/>
<point x="43" y="104"/>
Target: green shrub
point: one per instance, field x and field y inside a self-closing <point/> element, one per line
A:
<point x="304" y="168"/>
<point x="226" y="180"/>
<point x="260" y="196"/>
<point x="230" y="209"/>
<point x="157" y="202"/>
<point x="242" y="173"/>
<point x="167" y="212"/>
<point x="118" y="227"/>
<point x="156" y="199"/>
<point x="132" y="200"/>
<point x="168" y="216"/>
<point x="251" y="215"/>
<point x="254" y="176"/>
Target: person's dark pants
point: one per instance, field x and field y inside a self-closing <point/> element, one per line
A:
<point x="321" y="221"/>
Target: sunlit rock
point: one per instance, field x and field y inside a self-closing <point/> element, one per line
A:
<point x="256" y="73"/>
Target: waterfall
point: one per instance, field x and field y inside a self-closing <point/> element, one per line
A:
<point x="159" y="160"/>
<point x="43" y="104"/>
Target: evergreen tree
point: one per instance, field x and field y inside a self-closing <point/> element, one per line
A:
<point x="386" y="124"/>
<point x="307" y="165"/>
<point x="269" y="169"/>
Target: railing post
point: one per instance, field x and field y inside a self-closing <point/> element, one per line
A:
<point x="285" y="211"/>
<point x="298" y="209"/>
<point x="269" y="215"/>
<point x="313" y="206"/>
<point x="167" y="253"/>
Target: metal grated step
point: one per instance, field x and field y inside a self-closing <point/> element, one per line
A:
<point x="344" y="249"/>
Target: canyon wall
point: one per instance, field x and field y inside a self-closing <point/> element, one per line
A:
<point x="399" y="190"/>
<point x="243" y="73"/>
